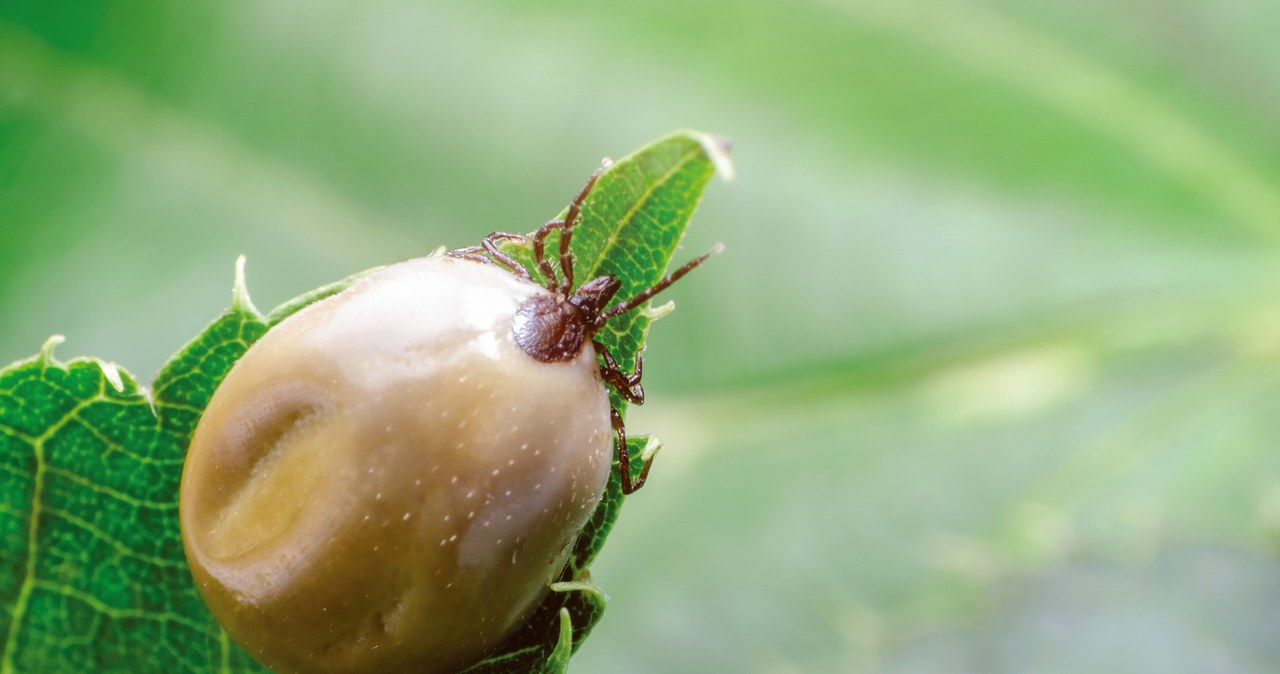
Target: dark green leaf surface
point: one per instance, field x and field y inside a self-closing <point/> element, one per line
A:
<point x="93" y="576"/>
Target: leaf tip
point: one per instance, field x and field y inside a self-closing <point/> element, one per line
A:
<point x="240" y="292"/>
<point x="717" y="149"/>
<point x="46" y="350"/>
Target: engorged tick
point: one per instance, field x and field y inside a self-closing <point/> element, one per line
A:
<point x="392" y="478"/>
<point x="554" y="328"/>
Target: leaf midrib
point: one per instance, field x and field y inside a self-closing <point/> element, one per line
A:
<point x="640" y="203"/>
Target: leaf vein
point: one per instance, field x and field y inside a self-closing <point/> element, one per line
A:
<point x="33" y="533"/>
<point x="113" y="493"/>
<point x="93" y="530"/>
<point x="116" y="613"/>
<point x="640" y="202"/>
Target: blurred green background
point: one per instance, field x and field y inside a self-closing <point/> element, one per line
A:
<point x="987" y="380"/>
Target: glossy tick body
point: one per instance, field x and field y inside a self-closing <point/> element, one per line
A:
<point x="388" y="480"/>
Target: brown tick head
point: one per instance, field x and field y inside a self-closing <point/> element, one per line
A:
<point x="592" y="296"/>
<point x="553" y="328"/>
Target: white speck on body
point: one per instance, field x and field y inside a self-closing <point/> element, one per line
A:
<point x="453" y="480"/>
<point x="406" y="517"/>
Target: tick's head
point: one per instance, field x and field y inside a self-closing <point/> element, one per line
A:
<point x="553" y="328"/>
<point x="592" y="296"/>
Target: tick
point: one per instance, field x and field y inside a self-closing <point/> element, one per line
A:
<point x="556" y="327"/>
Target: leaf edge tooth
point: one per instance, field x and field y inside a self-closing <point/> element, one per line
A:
<point x="240" y="300"/>
<point x="582" y="584"/>
<point x="558" y="660"/>
<point x="111" y="372"/>
<point x="45" y="355"/>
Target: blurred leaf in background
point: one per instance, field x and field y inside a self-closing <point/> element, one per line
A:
<point x="986" y="382"/>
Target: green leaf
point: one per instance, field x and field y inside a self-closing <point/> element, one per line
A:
<point x="93" y="576"/>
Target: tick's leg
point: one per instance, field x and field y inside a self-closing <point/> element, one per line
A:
<point x="474" y="253"/>
<point x="571" y="218"/>
<point x="628" y="386"/>
<point x="624" y="457"/>
<point x="540" y="252"/>
<point x="490" y="244"/>
<point x="643" y="296"/>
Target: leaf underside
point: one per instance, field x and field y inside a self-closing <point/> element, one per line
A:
<point x="92" y="572"/>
